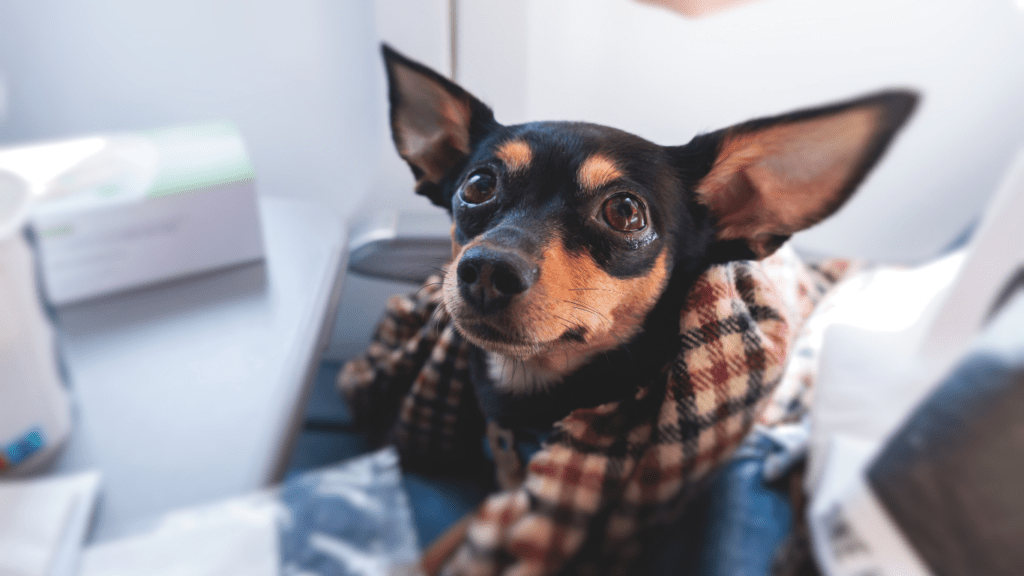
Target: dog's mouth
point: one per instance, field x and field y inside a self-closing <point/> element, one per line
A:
<point x="511" y="343"/>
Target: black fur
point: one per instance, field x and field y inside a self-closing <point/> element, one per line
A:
<point x="543" y="201"/>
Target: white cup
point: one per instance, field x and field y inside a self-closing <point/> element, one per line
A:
<point x="35" y="414"/>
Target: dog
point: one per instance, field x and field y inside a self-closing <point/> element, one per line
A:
<point x="576" y="249"/>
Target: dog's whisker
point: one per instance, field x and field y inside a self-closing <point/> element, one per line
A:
<point x="565" y="322"/>
<point x="515" y="363"/>
<point x="629" y="352"/>
<point x="437" y="317"/>
<point x="595" y="290"/>
<point x="586" y="307"/>
<point x="434" y="322"/>
<point x="583" y="307"/>
<point x="426" y="286"/>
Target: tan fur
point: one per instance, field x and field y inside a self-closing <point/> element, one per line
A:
<point x="456" y="247"/>
<point x="572" y="291"/>
<point x="515" y="154"/>
<point x="782" y="179"/>
<point x="597" y="171"/>
<point x="435" y="131"/>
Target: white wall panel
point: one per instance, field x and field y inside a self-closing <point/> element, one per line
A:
<point x="492" y="51"/>
<point x="650" y="71"/>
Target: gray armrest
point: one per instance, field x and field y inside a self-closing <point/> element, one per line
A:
<point x="400" y="245"/>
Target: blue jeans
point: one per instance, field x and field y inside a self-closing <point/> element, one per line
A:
<point x="734" y="527"/>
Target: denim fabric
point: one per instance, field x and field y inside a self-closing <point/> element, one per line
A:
<point x="735" y="526"/>
<point x="440" y="501"/>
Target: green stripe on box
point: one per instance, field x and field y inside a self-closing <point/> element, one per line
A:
<point x="200" y="156"/>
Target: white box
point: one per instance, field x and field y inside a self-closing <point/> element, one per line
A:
<point x="121" y="211"/>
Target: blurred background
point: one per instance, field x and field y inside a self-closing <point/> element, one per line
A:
<point x="303" y="81"/>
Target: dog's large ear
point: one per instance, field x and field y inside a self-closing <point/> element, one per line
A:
<point x="776" y="176"/>
<point x="434" y="122"/>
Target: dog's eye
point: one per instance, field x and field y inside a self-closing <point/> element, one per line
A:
<point x="625" y="213"/>
<point x="479" y="187"/>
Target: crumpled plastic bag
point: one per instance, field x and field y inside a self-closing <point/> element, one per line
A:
<point x="352" y="519"/>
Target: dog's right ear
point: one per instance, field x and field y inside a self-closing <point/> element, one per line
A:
<point x="434" y="122"/>
<point x="773" y="177"/>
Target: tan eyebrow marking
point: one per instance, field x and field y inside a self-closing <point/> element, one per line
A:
<point x="516" y="154"/>
<point x="597" y="171"/>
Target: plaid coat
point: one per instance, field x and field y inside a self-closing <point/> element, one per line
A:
<point x="607" y="474"/>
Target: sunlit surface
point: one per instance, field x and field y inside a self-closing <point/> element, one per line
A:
<point x="889" y="300"/>
<point x="38" y="168"/>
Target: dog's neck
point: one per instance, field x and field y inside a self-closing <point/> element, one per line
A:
<point x="533" y="375"/>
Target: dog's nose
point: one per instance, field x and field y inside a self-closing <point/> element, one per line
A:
<point x="489" y="278"/>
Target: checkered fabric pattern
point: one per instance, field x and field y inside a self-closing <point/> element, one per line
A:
<point x="791" y="400"/>
<point x="610" y="474"/>
<point x="411" y="387"/>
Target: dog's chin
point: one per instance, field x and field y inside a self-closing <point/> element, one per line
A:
<point x="499" y="341"/>
<point x="512" y="343"/>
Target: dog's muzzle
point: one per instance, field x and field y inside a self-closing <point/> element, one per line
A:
<point x="489" y="278"/>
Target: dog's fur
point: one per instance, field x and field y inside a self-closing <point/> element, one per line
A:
<point x="574" y="246"/>
<point x="543" y="281"/>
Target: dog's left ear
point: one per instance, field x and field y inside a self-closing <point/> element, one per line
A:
<point x="434" y="122"/>
<point x="776" y="176"/>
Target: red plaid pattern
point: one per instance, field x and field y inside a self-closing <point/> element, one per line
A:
<point x="610" y="473"/>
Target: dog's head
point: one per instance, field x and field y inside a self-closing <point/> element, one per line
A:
<point x="565" y="234"/>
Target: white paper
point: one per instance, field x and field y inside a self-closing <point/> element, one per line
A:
<point x="42" y="522"/>
<point x="852" y="534"/>
<point x="236" y="542"/>
<point x="66" y="561"/>
<point x="869" y="375"/>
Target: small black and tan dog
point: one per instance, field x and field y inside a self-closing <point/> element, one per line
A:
<point x="574" y="247"/>
<point x="567" y="235"/>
